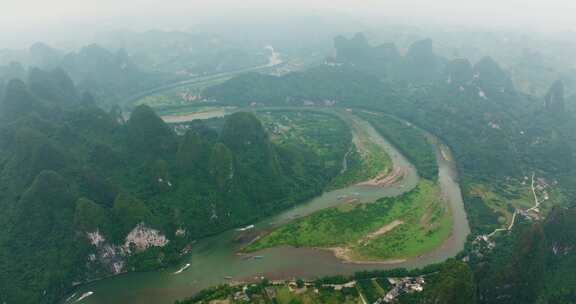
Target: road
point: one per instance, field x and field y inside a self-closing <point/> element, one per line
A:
<point x="273" y="61"/>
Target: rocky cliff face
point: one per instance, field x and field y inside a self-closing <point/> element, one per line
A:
<point x="108" y="256"/>
<point x="112" y="257"/>
<point x="144" y="237"/>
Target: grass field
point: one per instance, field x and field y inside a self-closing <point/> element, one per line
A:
<point x="370" y="290"/>
<point x="365" y="160"/>
<point x="389" y="228"/>
<point x="283" y="293"/>
<point x="411" y="141"/>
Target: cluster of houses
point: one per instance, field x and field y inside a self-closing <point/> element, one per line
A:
<point x="481" y="245"/>
<point x="539" y="188"/>
<point x="399" y="287"/>
<point x="402" y="286"/>
<point x="270" y="290"/>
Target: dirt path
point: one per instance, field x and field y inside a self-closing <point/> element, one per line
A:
<point x="345" y="253"/>
<point x="536" y="202"/>
<point x="383" y="230"/>
<point x="534" y="208"/>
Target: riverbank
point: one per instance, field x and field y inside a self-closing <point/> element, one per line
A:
<point x="212" y="259"/>
<point x="388" y="229"/>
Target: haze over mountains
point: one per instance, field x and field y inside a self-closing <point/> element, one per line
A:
<point x="94" y="183"/>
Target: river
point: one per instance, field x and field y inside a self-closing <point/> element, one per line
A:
<point x="213" y="260"/>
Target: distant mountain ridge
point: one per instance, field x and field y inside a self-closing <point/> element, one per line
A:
<point x="500" y="137"/>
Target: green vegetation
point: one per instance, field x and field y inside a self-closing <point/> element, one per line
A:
<point x="534" y="264"/>
<point x="365" y="160"/>
<point x="383" y="284"/>
<point x="409" y="140"/>
<point x="265" y="293"/>
<point x="318" y="85"/>
<point x="322" y="132"/>
<point x="356" y="170"/>
<point x="326" y="135"/>
<point x="111" y="75"/>
<point x="450" y="282"/>
<point x="400" y="227"/>
<point x="492" y="209"/>
<point x="120" y="67"/>
<point x="453" y="284"/>
<point x="285" y="296"/>
<point x="181" y="96"/>
<point x="370" y="290"/>
<point x="70" y="168"/>
<point x="497" y="135"/>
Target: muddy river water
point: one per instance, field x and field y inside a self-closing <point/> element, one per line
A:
<point x="213" y="260"/>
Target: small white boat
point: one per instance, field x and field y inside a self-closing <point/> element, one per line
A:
<point x="84" y="296"/>
<point x="182" y="269"/>
<point x="245" y="228"/>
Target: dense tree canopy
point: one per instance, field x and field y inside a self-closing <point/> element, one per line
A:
<point x="69" y="168"/>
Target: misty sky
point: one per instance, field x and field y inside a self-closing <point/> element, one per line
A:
<point x="557" y="13"/>
<point x="36" y="16"/>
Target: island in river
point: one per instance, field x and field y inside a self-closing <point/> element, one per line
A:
<point x="214" y="260"/>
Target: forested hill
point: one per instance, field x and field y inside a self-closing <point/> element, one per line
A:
<point x="512" y="150"/>
<point x="111" y="75"/>
<point x="418" y="64"/>
<point x="535" y="265"/>
<point x="496" y="132"/>
<point x="85" y="194"/>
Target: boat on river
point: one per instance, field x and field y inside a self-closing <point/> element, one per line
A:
<point x="249" y="227"/>
<point x="220" y="251"/>
<point x="182" y="269"/>
<point x="84" y="296"/>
